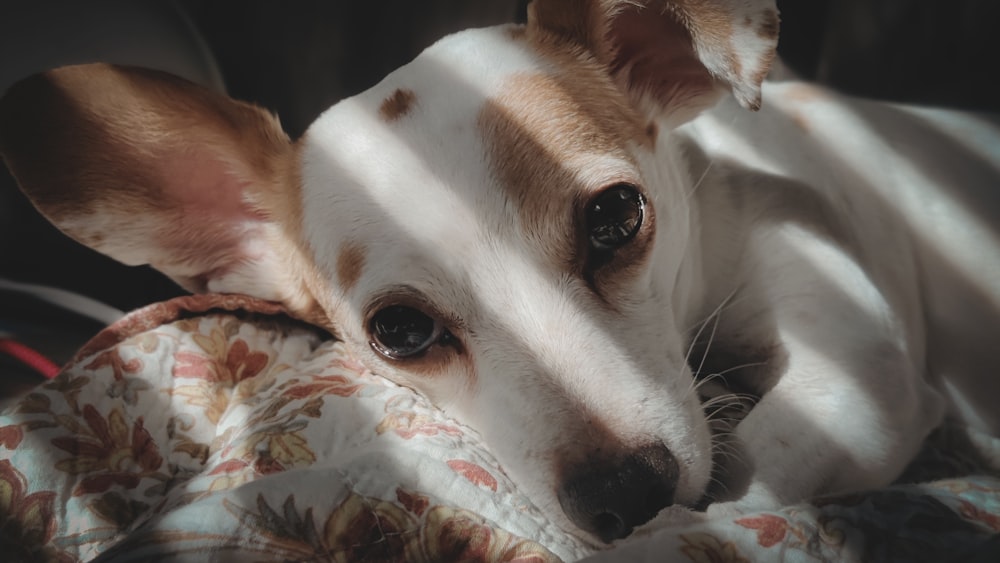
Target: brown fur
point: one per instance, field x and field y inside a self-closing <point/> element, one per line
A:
<point x="532" y="147"/>
<point x="659" y="48"/>
<point x="101" y="132"/>
<point x="350" y="265"/>
<point x="397" y="105"/>
<point x="173" y="170"/>
<point x="769" y="26"/>
<point x="710" y="23"/>
<point x="532" y="150"/>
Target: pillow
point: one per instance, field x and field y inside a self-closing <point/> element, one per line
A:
<point x="215" y="427"/>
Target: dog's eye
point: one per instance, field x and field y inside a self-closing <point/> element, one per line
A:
<point x="400" y="332"/>
<point x="615" y="216"/>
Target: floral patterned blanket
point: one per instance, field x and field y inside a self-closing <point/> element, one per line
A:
<point x="214" y="428"/>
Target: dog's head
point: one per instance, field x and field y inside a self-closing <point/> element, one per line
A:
<point x="502" y="224"/>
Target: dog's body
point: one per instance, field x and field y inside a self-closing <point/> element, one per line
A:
<point x="520" y="225"/>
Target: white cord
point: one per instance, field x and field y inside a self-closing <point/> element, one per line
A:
<point x="82" y="305"/>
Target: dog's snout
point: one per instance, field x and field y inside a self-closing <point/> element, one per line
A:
<point x="610" y="498"/>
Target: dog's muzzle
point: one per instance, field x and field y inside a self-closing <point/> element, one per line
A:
<point x="609" y="498"/>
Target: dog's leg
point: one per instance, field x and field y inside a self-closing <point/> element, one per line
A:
<point x="850" y="407"/>
<point x="826" y="428"/>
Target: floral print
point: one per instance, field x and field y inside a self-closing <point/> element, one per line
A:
<point x="107" y="451"/>
<point x="213" y="425"/>
<point x="706" y="548"/>
<point x="217" y="428"/>
<point x="27" y="521"/>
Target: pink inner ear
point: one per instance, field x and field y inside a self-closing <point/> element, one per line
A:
<point x="654" y="55"/>
<point x="209" y="188"/>
<point x="207" y="226"/>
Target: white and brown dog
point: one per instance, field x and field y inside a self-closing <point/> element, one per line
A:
<point x="561" y="236"/>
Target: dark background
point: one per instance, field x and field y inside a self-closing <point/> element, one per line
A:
<point x="299" y="57"/>
<point x="304" y="56"/>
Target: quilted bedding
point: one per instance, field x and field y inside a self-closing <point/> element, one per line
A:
<point x="216" y="428"/>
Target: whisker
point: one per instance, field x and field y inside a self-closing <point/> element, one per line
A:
<point x="717" y="311"/>
<point x="700" y="180"/>
<point x="728" y="303"/>
<point x="716" y="483"/>
<point x="715" y="314"/>
<point x="733" y="399"/>
<point x="726" y="451"/>
<point x="708" y="345"/>
<point x="741" y="366"/>
<point x="725" y="400"/>
<point x="703" y="381"/>
<point x="708" y="168"/>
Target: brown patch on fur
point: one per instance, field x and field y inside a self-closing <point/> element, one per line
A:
<point x="708" y="23"/>
<point x="350" y="265"/>
<point x="155" y="169"/>
<point x="677" y="51"/>
<point x="709" y="26"/>
<point x="538" y="124"/>
<point x="657" y="52"/>
<point x="107" y="124"/>
<point x="93" y="240"/>
<point x="763" y="68"/>
<point x="298" y="257"/>
<point x="653" y="132"/>
<point x="516" y="32"/>
<point x="649" y="51"/>
<point x="541" y="134"/>
<point x="541" y="130"/>
<point x="569" y="19"/>
<point x="397" y="105"/>
<point x="769" y="25"/>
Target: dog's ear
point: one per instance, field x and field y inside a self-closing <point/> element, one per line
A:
<point x="151" y="169"/>
<point x="675" y="53"/>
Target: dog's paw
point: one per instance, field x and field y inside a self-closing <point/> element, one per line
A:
<point x="669" y="517"/>
<point x="754" y="500"/>
<point x="726" y="510"/>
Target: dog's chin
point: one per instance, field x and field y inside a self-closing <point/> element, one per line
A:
<point x="686" y="511"/>
<point x="555" y="515"/>
<point x="671" y="516"/>
<point x="675" y="515"/>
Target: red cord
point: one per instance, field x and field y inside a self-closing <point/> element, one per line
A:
<point x="30" y="357"/>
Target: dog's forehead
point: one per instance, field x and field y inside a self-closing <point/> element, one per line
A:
<point x="477" y="143"/>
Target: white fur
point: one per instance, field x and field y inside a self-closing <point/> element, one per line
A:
<point x="846" y="247"/>
<point x="852" y="405"/>
<point x="537" y="347"/>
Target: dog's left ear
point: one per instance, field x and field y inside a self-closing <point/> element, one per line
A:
<point x="675" y="53"/>
<point x="148" y="168"/>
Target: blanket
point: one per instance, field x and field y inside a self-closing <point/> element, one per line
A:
<point x="215" y="428"/>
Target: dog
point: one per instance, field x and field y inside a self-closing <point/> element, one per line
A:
<point x="654" y="283"/>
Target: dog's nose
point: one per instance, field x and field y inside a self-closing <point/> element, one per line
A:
<point x="609" y="499"/>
